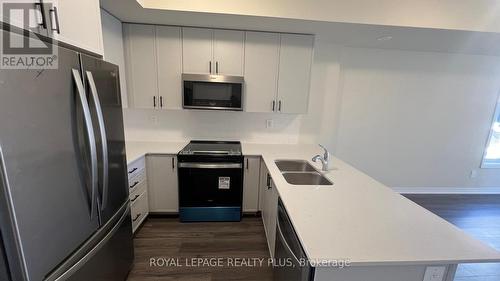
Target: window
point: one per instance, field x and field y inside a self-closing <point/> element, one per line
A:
<point x="491" y="157"/>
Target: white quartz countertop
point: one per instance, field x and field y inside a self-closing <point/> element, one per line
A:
<point x="357" y="218"/>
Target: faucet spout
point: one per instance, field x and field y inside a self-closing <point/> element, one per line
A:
<point x="323" y="159"/>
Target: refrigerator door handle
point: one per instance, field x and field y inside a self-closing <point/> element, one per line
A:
<point x="91" y="140"/>
<point x="104" y="141"/>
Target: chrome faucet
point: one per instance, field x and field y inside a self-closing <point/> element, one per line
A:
<point x="324" y="160"/>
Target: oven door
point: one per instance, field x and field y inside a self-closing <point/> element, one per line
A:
<point x="210" y="191"/>
<point x="219" y="93"/>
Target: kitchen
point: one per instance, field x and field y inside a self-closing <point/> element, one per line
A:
<point x="213" y="114"/>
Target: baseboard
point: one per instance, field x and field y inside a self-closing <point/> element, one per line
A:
<point x="447" y="190"/>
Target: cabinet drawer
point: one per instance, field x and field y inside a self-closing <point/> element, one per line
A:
<point x="139" y="210"/>
<point x="135" y="167"/>
<point x="136" y="192"/>
<point x="134" y="182"/>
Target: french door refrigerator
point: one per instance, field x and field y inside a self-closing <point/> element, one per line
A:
<point x="64" y="209"/>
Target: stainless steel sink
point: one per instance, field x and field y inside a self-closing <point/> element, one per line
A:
<point x="294" y="166"/>
<point x="306" y="178"/>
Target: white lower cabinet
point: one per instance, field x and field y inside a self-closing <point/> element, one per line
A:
<point x="138" y="192"/>
<point x="139" y="209"/>
<point x="162" y="183"/>
<point x="251" y="184"/>
<point x="269" y="207"/>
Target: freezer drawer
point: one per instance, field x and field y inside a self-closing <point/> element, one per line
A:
<point x="107" y="256"/>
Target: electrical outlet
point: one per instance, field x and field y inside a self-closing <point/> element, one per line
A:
<point x="154" y="119"/>
<point x="269" y="123"/>
<point x="473" y="174"/>
<point x="434" y="273"/>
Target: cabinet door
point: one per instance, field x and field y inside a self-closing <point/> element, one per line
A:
<point x="140" y="63"/>
<point x="269" y="206"/>
<point x="251" y="181"/>
<point x="77" y="23"/>
<point x="294" y="72"/>
<point x="261" y="71"/>
<point x="197" y="50"/>
<point x="26" y="15"/>
<point x="272" y="216"/>
<point x="228" y="52"/>
<point x="169" y="56"/>
<point x="162" y="184"/>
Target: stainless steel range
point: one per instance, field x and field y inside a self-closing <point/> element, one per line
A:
<point x="210" y="181"/>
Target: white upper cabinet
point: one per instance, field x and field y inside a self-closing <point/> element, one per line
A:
<point x="261" y="71"/>
<point x="197" y="50"/>
<point x="208" y="51"/>
<point x="294" y="72"/>
<point x="169" y="61"/>
<point x="140" y="61"/>
<point x="228" y="46"/>
<point x="77" y="23"/>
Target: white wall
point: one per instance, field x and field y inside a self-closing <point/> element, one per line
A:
<point x="180" y="125"/>
<point x="113" y="48"/>
<point x="415" y="119"/>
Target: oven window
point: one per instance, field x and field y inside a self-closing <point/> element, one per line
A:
<point x="206" y="94"/>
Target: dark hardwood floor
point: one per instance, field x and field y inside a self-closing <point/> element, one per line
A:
<point x="168" y="238"/>
<point x="477" y="215"/>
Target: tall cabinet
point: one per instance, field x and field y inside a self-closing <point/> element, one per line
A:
<point x="209" y="51"/>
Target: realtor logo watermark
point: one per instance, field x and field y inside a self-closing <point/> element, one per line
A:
<point x="25" y="49"/>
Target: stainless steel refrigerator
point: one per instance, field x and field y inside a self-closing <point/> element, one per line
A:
<point x="64" y="209"/>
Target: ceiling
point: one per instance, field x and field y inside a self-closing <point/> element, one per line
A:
<point x="348" y="34"/>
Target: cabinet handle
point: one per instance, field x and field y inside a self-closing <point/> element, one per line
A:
<point x="247" y="163"/>
<point x="279" y="106"/>
<point x="136" y="217"/>
<point x="269" y="181"/>
<point x="173" y="163"/>
<point x="135" y="198"/>
<point x="55" y="16"/>
<point x="210" y="67"/>
<point x="274" y="104"/>
<point x="161" y="101"/>
<point x="41" y="8"/>
<point x="216" y="67"/>
<point x="135" y="183"/>
<point x="133" y="170"/>
<point x="154" y="101"/>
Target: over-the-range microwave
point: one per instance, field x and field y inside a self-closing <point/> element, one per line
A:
<point x="215" y="92"/>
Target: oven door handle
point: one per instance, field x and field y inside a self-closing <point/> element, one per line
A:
<point x="198" y="165"/>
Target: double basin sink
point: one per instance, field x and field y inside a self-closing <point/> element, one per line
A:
<point x="300" y="172"/>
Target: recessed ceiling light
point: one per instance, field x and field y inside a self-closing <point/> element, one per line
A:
<point x="384" y="38"/>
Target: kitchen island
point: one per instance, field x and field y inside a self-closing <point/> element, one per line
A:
<point x="383" y="236"/>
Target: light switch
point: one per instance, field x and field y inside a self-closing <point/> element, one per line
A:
<point x="434" y="273"/>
